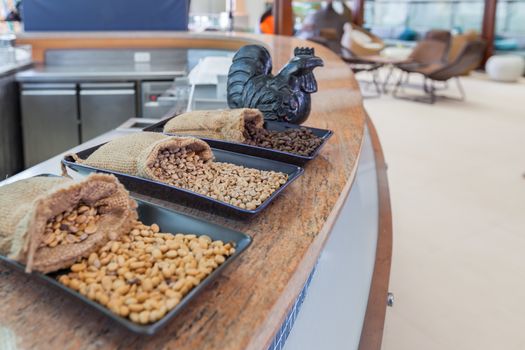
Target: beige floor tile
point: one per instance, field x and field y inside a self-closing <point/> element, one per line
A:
<point x="458" y="199"/>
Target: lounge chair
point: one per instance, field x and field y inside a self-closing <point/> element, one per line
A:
<point x="360" y="42"/>
<point x="470" y="55"/>
<point x="431" y="50"/>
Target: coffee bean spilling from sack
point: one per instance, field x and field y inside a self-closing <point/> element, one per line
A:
<point x="71" y="226"/>
<point x="145" y="274"/>
<point x="300" y="141"/>
<point x="243" y="187"/>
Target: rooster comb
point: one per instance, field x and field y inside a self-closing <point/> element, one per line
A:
<point x="304" y="51"/>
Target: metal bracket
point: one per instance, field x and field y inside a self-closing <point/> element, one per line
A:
<point x="390" y="299"/>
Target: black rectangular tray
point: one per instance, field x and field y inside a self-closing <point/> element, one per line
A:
<point x="172" y="222"/>
<point x="257" y="151"/>
<point x="174" y="194"/>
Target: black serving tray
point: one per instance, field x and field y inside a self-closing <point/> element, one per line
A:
<point x="257" y="151"/>
<point x="169" y="221"/>
<point x="174" y="194"/>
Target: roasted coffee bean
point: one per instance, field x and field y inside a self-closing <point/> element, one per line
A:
<point x="300" y="141"/>
<point x="141" y="294"/>
<point x="246" y="188"/>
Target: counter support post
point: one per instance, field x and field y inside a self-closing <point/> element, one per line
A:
<point x="283" y="17"/>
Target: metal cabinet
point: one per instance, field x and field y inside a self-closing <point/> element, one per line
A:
<point x="153" y="104"/>
<point x="104" y="106"/>
<point x="10" y="131"/>
<point x="49" y="120"/>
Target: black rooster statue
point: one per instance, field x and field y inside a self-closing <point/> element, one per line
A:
<point x="284" y="96"/>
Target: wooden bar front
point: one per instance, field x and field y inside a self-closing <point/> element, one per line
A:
<point x="246" y="305"/>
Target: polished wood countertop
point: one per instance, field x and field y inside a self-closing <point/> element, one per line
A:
<point x="246" y="305"/>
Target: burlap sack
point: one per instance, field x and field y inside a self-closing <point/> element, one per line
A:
<point x="219" y="124"/>
<point x="134" y="154"/>
<point x="27" y="205"/>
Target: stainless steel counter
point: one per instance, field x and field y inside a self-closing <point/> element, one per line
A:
<point x="115" y="64"/>
<point x="8" y="69"/>
<point x="97" y="72"/>
<point x="78" y="94"/>
<point x="52" y="165"/>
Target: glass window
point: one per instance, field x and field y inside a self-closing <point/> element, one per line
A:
<point x="510" y="17"/>
<point x="424" y="15"/>
<point x="468" y="15"/>
<point x="390" y="13"/>
<point x="510" y="25"/>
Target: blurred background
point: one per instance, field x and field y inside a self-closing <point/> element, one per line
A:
<point x="404" y="20"/>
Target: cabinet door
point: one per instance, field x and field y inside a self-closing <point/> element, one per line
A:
<point x="49" y="123"/>
<point x="10" y="130"/>
<point x="104" y="107"/>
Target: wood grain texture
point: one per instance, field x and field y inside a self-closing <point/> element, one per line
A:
<point x="372" y="332"/>
<point x="245" y="306"/>
<point x="358" y="12"/>
<point x="283" y="17"/>
<point x="488" y="28"/>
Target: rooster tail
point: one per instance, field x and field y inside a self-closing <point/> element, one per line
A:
<point x="250" y="61"/>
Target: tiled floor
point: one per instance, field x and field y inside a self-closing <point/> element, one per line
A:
<point x="456" y="172"/>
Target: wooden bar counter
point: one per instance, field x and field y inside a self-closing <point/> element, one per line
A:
<point x="246" y="305"/>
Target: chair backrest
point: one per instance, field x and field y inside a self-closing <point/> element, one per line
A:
<point x="433" y="48"/>
<point x="360" y="42"/>
<point x="471" y="55"/>
<point x="439" y="35"/>
<point x="328" y="24"/>
<point x="328" y="18"/>
<point x="458" y="42"/>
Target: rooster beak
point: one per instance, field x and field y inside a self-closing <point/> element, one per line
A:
<point x="314" y="62"/>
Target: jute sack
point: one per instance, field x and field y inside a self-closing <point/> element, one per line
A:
<point x="133" y="154"/>
<point x="27" y="205"/>
<point x="225" y="124"/>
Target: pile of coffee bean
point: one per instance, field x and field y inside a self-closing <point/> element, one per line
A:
<point x="300" y="141"/>
<point x="145" y="273"/>
<point x="71" y="226"/>
<point x="245" y="188"/>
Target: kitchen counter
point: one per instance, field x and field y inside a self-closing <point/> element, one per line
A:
<point x="8" y="69"/>
<point x="142" y="71"/>
<point x="252" y="305"/>
<point x="11" y="160"/>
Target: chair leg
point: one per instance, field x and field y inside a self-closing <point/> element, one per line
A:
<point x="375" y="75"/>
<point x="432" y="93"/>
<point x="369" y="84"/>
<point x="428" y="87"/>
<point x="403" y="79"/>
<point x="398" y="84"/>
<point x="387" y="79"/>
<point x="460" y="88"/>
<point x="433" y="96"/>
<point x="461" y="98"/>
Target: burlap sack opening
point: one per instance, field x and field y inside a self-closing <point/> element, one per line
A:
<point x="134" y="154"/>
<point x="228" y="125"/>
<point x="27" y="205"/>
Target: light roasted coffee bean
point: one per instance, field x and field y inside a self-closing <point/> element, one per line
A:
<point x="138" y="278"/>
<point x="69" y="227"/>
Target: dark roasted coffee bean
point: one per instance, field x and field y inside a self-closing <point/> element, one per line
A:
<point x="299" y="141"/>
